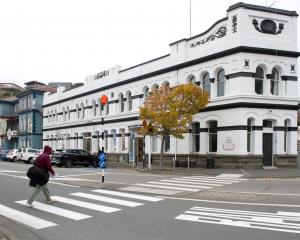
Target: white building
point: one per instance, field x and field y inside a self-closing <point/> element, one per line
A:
<point x="248" y="63"/>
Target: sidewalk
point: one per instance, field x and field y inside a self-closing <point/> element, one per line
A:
<point x="249" y="173"/>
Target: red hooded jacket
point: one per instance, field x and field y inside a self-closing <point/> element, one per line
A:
<point x="44" y="161"/>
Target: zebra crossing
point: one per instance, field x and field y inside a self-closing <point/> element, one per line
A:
<point x="184" y="184"/>
<point x="277" y="221"/>
<point x="120" y="200"/>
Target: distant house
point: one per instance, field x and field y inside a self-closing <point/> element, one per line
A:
<point x="30" y="114"/>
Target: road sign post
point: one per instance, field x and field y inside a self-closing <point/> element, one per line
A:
<point x="102" y="163"/>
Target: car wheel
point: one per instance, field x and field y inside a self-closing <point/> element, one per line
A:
<point x="68" y="163"/>
<point x="14" y="159"/>
<point x="30" y="160"/>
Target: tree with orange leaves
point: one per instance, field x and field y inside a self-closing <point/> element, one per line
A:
<point x="169" y="111"/>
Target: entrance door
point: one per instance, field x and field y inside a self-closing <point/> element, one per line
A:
<point x="140" y="149"/>
<point x="267" y="149"/>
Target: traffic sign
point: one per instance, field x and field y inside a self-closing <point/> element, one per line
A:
<point x="102" y="160"/>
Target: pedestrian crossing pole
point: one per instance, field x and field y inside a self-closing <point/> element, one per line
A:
<point x="102" y="175"/>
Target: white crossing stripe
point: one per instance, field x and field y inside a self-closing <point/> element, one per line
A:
<point x="180" y="185"/>
<point x="24" y="218"/>
<point x="188" y="182"/>
<point x="92" y="206"/>
<point x="56" y="210"/>
<point x="107" y="199"/>
<point x="219" y="178"/>
<point x="168" y="187"/>
<point x="211" y="180"/>
<point x="149" y="190"/>
<point x="280" y="221"/>
<point x="129" y="195"/>
<point x="225" y="175"/>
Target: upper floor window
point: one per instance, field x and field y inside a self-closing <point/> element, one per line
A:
<point x="191" y="79"/>
<point x="221" y="83"/>
<point x="274" y="84"/>
<point x="129" y="101"/>
<point x="259" y="80"/>
<point x="121" y="101"/>
<point x="77" y="111"/>
<point x="82" y="110"/>
<point x="145" y="93"/>
<point x="206" y="83"/>
<point x="94" y="108"/>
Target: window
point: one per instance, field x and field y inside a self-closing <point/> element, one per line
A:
<point x="213" y="136"/>
<point x="77" y="111"/>
<point x="221" y="83"/>
<point x="154" y="88"/>
<point x="267" y="124"/>
<point x="286" y="135"/>
<point x="121" y="101"/>
<point x="196" y="137"/>
<point x="274" y="82"/>
<point x="107" y="108"/>
<point x="82" y="110"/>
<point x="167" y="143"/>
<point x="154" y="143"/>
<point x="68" y="113"/>
<point x="129" y="100"/>
<point x="122" y="132"/>
<point x="191" y="79"/>
<point x="206" y="83"/>
<point x="145" y="93"/>
<point x="249" y="135"/>
<point x="64" y="114"/>
<point x="259" y="80"/>
<point x="94" y="108"/>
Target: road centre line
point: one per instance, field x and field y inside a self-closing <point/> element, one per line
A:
<point x="227" y="202"/>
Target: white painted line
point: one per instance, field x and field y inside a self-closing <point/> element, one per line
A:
<point x="258" y="193"/>
<point x="92" y="206"/>
<point x="107" y="199"/>
<point x="149" y="190"/>
<point x="11" y="171"/>
<point x="178" y="180"/>
<point x="167" y="187"/>
<point x="180" y="185"/>
<point x="225" y="175"/>
<point x="56" y="210"/>
<point x="233" y="203"/>
<point x="210" y="180"/>
<point x="291" y="214"/>
<point x="128" y="195"/>
<point x="219" y="179"/>
<point x="24" y="218"/>
<point x="272" y="227"/>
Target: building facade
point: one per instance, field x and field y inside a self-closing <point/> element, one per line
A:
<point x="247" y="61"/>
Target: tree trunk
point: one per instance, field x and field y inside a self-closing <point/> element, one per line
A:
<point x="161" y="152"/>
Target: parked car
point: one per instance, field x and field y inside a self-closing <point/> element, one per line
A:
<point x="72" y="157"/>
<point x="26" y="154"/>
<point x="3" y="154"/>
<point x="12" y="155"/>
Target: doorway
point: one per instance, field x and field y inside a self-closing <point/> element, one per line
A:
<point x="267" y="149"/>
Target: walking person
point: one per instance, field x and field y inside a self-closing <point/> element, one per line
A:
<point x="40" y="176"/>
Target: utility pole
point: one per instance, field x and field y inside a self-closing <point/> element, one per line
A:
<point x="190" y="18"/>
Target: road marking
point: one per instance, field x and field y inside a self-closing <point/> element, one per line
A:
<point x="128" y="195"/>
<point x="56" y="210"/>
<point x="24" y="218"/>
<point x="107" y="199"/>
<point x="10" y="171"/>
<point x="225" y="175"/>
<point x="92" y="206"/>
<point x="212" y="180"/>
<point x="219" y="178"/>
<point x="149" y="190"/>
<point x="180" y="185"/>
<point x="234" y="203"/>
<point x="178" y="180"/>
<point x="258" y="193"/>
<point x="167" y="187"/>
<point x="258" y="220"/>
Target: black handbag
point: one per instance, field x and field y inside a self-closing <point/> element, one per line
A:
<point x="37" y="175"/>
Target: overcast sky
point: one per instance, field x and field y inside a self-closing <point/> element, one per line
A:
<point x="66" y="40"/>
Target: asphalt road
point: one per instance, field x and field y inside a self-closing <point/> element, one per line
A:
<point x="180" y="207"/>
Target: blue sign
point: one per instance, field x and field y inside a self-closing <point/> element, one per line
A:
<point x="102" y="160"/>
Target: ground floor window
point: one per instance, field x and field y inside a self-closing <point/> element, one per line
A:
<point x="213" y="136"/>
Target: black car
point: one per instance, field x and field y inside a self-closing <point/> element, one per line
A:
<point x="72" y="157"/>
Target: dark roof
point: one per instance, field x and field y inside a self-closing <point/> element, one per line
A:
<point x="262" y="8"/>
<point x="33" y="82"/>
<point x="10" y="86"/>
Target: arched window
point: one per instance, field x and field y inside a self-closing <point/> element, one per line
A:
<point x="221" y="83"/>
<point x="191" y="79"/>
<point x="107" y="108"/>
<point x="121" y="102"/>
<point x="206" y="83"/>
<point x="77" y="111"/>
<point x="64" y="114"/>
<point x="259" y="80"/>
<point x="196" y="136"/>
<point x="82" y="110"/>
<point x="274" y="82"/>
<point x="129" y="101"/>
<point x="94" y="108"/>
<point x="122" y="140"/>
<point x="145" y="93"/>
<point x="68" y="113"/>
<point x="213" y="136"/>
<point x="154" y="88"/>
<point x="56" y="116"/>
<point x="250" y="123"/>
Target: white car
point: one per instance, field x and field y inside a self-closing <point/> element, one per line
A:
<point x="26" y="154"/>
<point x="12" y="155"/>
